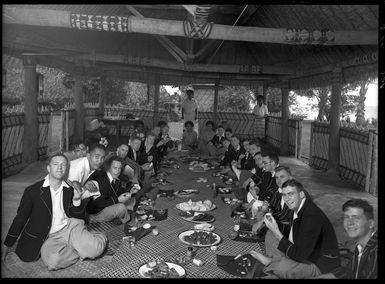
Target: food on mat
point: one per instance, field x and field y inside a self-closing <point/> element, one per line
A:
<point x="196" y="205"/>
<point x="155" y="231"/>
<point x="201" y="238"/>
<point x="204" y="226"/>
<point x="146" y="226"/>
<point x="161" y="270"/>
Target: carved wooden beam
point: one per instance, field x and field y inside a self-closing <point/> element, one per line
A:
<point x="65" y="19"/>
<point x="175" y="51"/>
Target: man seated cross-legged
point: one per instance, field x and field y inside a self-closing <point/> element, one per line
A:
<point x="50" y="222"/>
<point x="311" y="247"/>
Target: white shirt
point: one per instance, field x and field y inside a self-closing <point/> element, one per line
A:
<point x="189" y="107"/>
<point x="282" y="201"/>
<point x="295" y="216"/>
<point x="95" y="124"/>
<point x="79" y="170"/>
<point x="59" y="218"/>
<point x="260" y="110"/>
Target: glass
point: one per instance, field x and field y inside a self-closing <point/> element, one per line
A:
<point x="131" y="241"/>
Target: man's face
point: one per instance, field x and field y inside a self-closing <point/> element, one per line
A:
<point x="150" y="139"/>
<point x="81" y="151"/>
<point x="57" y="167"/>
<point x="165" y="130"/>
<point x="253" y="149"/>
<point x="268" y="164"/>
<point x="234" y="142"/>
<point x="226" y="144"/>
<point x="140" y="127"/>
<point x="190" y="95"/>
<point x="292" y="197"/>
<point x="189" y="128"/>
<point x="281" y="177"/>
<point x="115" y="169"/>
<point x="96" y="158"/>
<point x="259" y="101"/>
<point x="136" y="144"/>
<point x="156" y="130"/>
<point x="122" y="151"/>
<point x="356" y="224"/>
<point x="228" y="135"/>
<point x="220" y="131"/>
<point x="258" y="161"/>
<point x="246" y="145"/>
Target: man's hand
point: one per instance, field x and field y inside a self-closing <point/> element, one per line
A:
<point x="256" y="226"/>
<point x="254" y="190"/>
<point x="124" y="197"/>
<point x="78" y="189"/>
<point x="271" y="223"/>
<point x="150" y="158"/>
<point x="241" y="156"/>
<point x="4" y="252"/>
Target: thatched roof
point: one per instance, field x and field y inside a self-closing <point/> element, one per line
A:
<point x="142" y="57"/>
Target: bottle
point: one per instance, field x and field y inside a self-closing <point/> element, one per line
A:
<point x="215" y="193"/>
<point x="189" y="254"/>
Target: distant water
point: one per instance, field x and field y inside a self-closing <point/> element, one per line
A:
<point x="371" y="112"/>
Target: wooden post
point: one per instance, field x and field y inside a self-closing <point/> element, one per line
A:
<point x="79" y="108"/>
<point x="265" y="86"/>
<point x="334" y="141"/>
<point x="311" y="142"/>
<point x="31" y="125"/>
<point x="102" y="94"/>
<point x="67" y="131"/>
<point x="299" y="141"/>
<point x="285" y="118"/>
<point x="216" y="97"/>
<point x="373" y="183"/>
<point x="369" y="162"/>
<point x="156" y="101"/>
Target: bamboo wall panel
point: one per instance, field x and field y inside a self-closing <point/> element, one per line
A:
<point x="273" y="131"/>
<point x="358" y="154"/>
<point x="242" y="124"/>
<point x="354" y="155"/>
<point x="12" y="140"/>
<point x="320" y="145"/>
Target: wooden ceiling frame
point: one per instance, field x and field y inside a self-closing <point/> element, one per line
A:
<point x="172" y="48"/>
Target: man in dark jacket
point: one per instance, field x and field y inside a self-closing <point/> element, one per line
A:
<point x="311" y="247"/>
<point x="50" y="222"/>
<point x="111" y="203"/>
<point x="359" y="224"/>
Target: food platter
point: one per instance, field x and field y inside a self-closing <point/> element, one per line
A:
<point x="213" y="206"/>
<point x="146" y="272"/>
<point x="186" y="192"/>
<point x="195" y="218"/>
<point x="202" y="237"/>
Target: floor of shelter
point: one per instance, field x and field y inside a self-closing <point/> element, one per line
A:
<point x="327" y="190"/>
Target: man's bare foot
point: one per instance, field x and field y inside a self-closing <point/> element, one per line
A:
<point x="265" y="260"/>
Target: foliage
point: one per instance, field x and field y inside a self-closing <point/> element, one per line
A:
<point x="235" y="98"/>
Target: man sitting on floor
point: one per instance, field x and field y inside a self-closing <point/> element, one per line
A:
<point x="279" y="210"/>
<point x="112" y="202"/>
<point x="311" y="247"/>
<point x="215" y="145"/>
<point x="50" y="222"/>
<point x="359" y="224"/>
<point x="96" y="129"/>
<point x="130" y="169"/>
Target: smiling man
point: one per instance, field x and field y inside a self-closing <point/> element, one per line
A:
<point x="311" y="248"/>
<point x="359" y="224"/>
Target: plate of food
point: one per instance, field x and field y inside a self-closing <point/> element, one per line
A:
<point x="225" y="190"/>
<point x="161" y="269"/>
<point x="199" y="238"/>
<point x="197" y="217"/>
<point x="196" y="206"/>
<point x="186" y="192"/>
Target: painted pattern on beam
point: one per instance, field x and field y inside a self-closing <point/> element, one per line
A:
<point x="99" y="23"/>
<point x="310" y="37"/>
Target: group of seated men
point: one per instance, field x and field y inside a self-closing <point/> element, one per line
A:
<point x="300" y="240"/>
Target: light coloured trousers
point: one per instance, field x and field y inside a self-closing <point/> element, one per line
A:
<point x="63" y="248"/>
<point x="111" y="212"/>
<point x="286" y="268"/>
